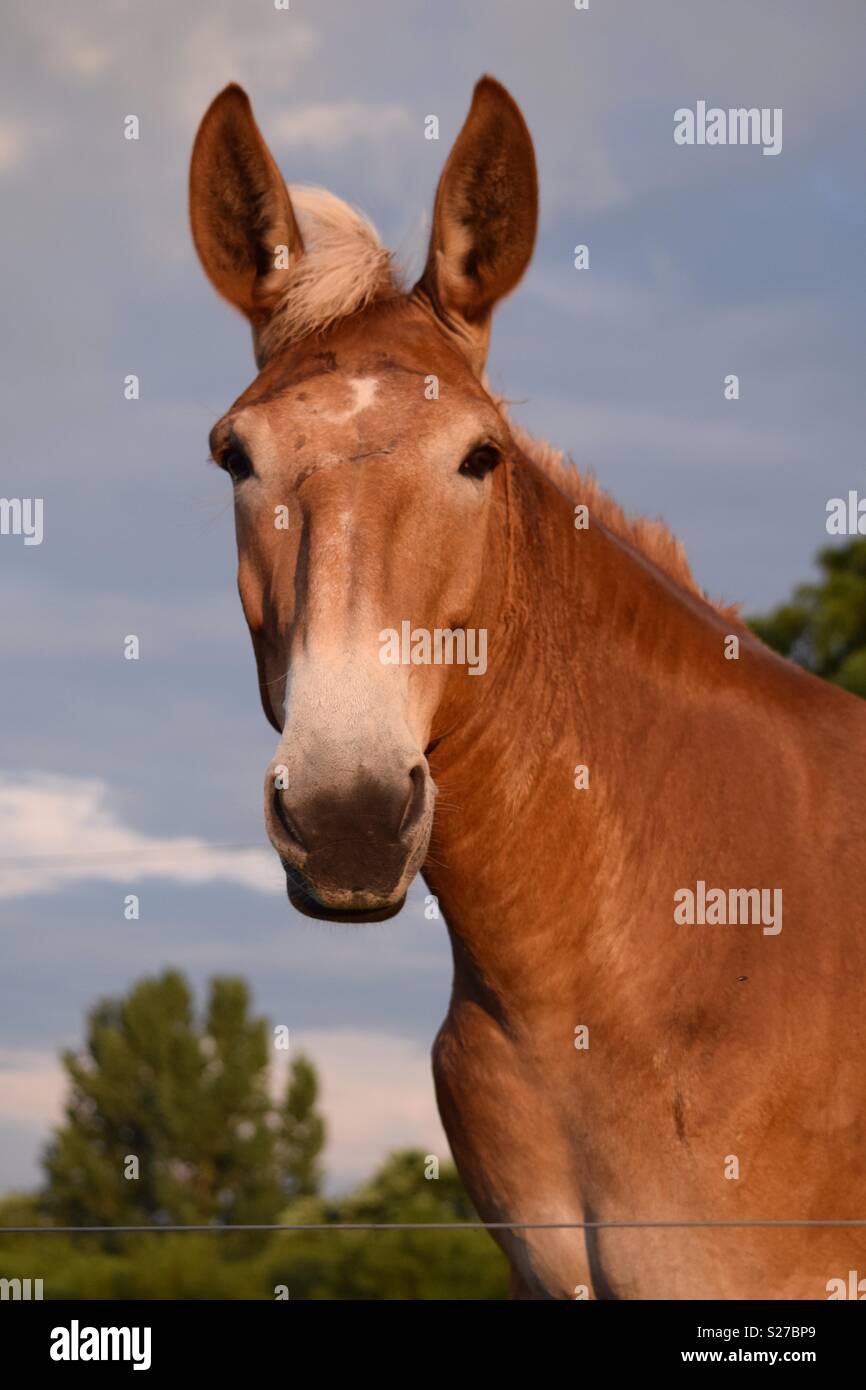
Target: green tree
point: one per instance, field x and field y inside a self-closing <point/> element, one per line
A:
<point x="188" y="1098"/>
<point x="823" y="625"/>
<point x="333" y="1265"/>
<point x="184" y="1103"/>
<point x="303" y="1131"/>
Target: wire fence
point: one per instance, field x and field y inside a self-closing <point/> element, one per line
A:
<point x="436" y="1226"/>
<point x="142" y="854"/>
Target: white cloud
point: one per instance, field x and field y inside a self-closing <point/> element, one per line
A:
<point x="85" y="60"/>
<point x="326" y="126"/>
<point x="377" y="1095"/>
<point x="24" y="140"/>
<point x="56" y="831"/>
<point x="32" y="1086"/>
<point x="268" y="55"/>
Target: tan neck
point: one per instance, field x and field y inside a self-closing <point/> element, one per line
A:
<point x="591" y="653"/>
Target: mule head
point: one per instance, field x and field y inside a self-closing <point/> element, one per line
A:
<point x="365" y="464"/>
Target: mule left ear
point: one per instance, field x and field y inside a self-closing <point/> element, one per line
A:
<point x="243" y="224"/>
<point x="484" y="219"/>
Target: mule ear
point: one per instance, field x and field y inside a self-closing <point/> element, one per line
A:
<point x="243" y="224"/>
<point x="484" y="218"/>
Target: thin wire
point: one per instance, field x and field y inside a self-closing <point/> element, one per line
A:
<point x="433" y="1226"/>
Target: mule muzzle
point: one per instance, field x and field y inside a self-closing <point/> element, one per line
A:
<point x="351" y="857"/>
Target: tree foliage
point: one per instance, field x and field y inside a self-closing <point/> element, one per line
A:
<point x="303" y="1130"/>
<point x="823" y="625"/>
<point x="170" y="1119"/>
<point x="191" y="1099"/>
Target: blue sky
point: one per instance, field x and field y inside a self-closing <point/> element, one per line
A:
<point x="120" y="777"/>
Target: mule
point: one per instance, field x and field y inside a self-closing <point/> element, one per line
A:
<point x="601" y="1063"/>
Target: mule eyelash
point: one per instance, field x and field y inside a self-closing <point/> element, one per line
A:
<point x="480" y="461"/>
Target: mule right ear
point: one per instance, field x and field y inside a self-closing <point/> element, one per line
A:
<point x="243" y="224"/>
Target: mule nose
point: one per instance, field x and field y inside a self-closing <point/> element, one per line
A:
<point x="415" y="802"/>
<point x="372" y="811"/>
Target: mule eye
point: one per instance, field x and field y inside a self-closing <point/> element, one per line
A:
<point x="236" y="464"/>
<point x="481" y="461"/>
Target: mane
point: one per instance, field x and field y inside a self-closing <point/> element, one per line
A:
<point x="343" y="269"/>
<point x="651" y="538"/>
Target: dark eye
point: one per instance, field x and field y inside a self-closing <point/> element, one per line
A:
<point x="236" y="464"/>
<point x="480" y="461"/>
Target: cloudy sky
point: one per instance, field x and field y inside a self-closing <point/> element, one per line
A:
<point x="145" y="777"/>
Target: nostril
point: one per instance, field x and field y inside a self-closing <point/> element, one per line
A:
<point x="416" y="800"/>
<point x="286" y="821"/>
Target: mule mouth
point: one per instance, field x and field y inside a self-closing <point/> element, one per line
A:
<point x="304" y="900"/>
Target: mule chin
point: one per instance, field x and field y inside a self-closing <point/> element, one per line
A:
<point x="310" y="908"/>
<point x="304" y="900"/>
